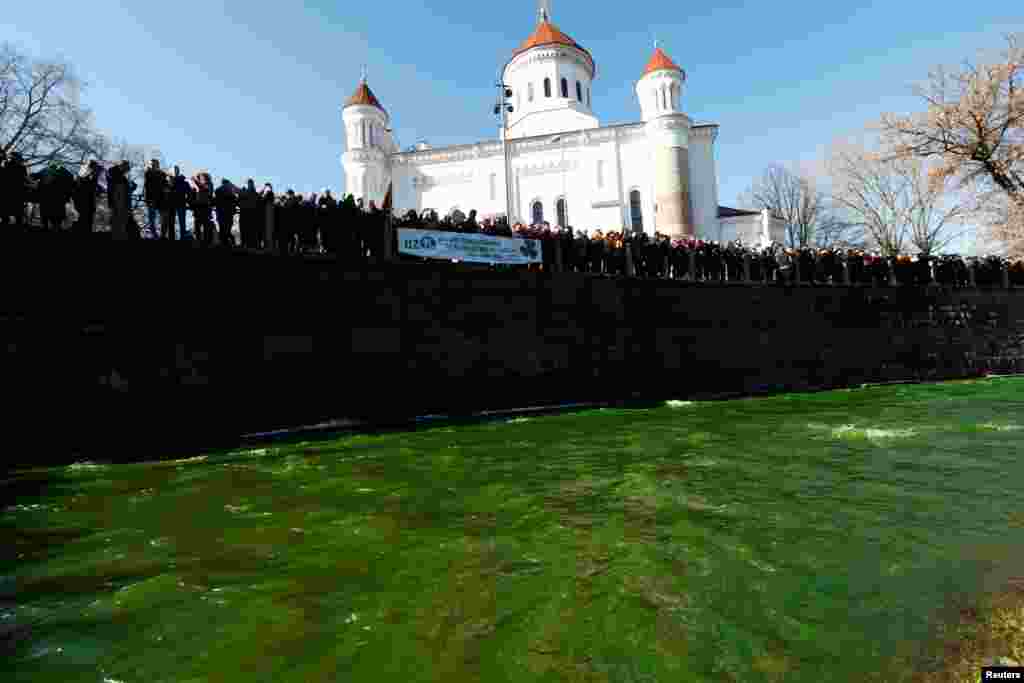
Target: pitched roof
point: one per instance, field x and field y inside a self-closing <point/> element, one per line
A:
<point x="547" y="33"/>
<point x="363" y="95"/>
<point x="659" y="60"/>
<point x="727" y="212"/>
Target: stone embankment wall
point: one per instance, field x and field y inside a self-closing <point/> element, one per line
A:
<point x="139" y="350"/>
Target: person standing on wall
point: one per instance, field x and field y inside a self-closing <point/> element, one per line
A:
<point x="225" y="200"/>
<point x="153" y="185"/>
<point x="180" y="191"/>
<point x="119" y="200"/>
<point x="269" y="209"/>
<point x="202" y="208"/>
<point x="250" y="212"/>
<point x="86" y="189"/>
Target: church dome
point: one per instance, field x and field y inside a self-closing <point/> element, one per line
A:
<point x="660" y="61"/>
<point x="363" y="95"/>
<point x="547" y="33"/>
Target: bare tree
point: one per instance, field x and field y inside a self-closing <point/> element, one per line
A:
<point x="795" y="199"/>
<point x="41" y="116"/>
<point x="973" y="127"/>
<point x="895" y="200"/>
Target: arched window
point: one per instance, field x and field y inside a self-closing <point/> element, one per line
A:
<point x="493" y="183"/>
<point x="362" y="133"/>
<point x="562" y="211"/>
<point x="537" y="212"/>
<point x="547" y="87"/>
<point x="529" y="92"/>
<point x="588" y="96"/>
<point x="636" y="213"/>
<point x="565" y="88"/>
<point x="657" y="102"/>
<point x="673" y="93"/>
<point x="600" y="173"/>
<point x="579" y="91"/>
<point x="664" y="105"/>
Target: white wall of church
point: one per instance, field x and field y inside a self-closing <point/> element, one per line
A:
<point x="595" y="172"/>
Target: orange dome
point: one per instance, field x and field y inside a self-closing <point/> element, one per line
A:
<point x="547" y="33"/>
<point x="363" y="95"/>
<point x="659" y="61"/>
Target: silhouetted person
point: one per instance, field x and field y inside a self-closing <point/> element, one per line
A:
<point x="202" y="208"/>
<point x="86" y="189"/>
<point x="13" y="191"/>
<point x="179" y="199"/>
<point x="166" y="210"/>
<point x="153" y="193"/>
<point x="225" y="200"/>
<point x="308" y="236"/>
<point x="269" y="211"/>
<point x="119" y="199"/>
<point x="250" y="217"/>
<point x="327" y="209"/>
<point x="56" y="185"/>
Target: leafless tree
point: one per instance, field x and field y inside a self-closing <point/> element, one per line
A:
<point x="895" y="200"/>
<point x="41" y="116"/>
<point x="795" y="198"/>
<point x="973" y="127"/>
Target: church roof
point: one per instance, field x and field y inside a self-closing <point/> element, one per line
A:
<point x="363" y="95"/>
<point x="659" y="60"/>
<point x="729" y="212"/>
<point x="547" y="33"/>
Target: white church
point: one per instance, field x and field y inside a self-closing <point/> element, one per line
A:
<point x="657" y="174"/>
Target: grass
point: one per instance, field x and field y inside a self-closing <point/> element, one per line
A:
<point x="860" y="535"/>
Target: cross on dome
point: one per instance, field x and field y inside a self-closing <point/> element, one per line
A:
<point x="545" y="11"/>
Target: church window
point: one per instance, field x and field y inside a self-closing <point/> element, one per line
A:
<point x="579" y="91"/>
<point x="565" y="88"/>
<point x="537" y="212"/>
<point x="493" y="183"/>
<point x="529" y="92"/>
<point x="547" y="87"/>
<point x="636" y="213"/>
<point x="562" y="211"/>
<point x="600" y="173"/>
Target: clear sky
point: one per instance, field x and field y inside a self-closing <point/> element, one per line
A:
<point x="255" y="89"/>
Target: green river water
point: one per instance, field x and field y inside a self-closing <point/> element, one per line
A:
<point x="808" y="537"/>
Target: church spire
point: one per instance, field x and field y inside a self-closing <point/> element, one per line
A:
<point x="545" y="11"/>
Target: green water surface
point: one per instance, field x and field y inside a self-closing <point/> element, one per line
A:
<point x="802" y="538"/>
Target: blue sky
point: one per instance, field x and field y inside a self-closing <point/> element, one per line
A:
<point x="255" y="89"/>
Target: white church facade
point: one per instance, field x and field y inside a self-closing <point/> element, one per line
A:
<point x="657" y="174"/>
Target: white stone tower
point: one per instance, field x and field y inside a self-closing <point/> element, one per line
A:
<point x="550" y="75"/>
<point x="660" y="91"/>
<point x="369" y="145"/>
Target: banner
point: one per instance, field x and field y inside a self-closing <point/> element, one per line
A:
<point x="471" y="247"/>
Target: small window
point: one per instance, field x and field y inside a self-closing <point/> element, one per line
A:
<point x="537" y="211"/>
<point x="565" y="88"/>
<point x="600" y="173"/>
<point x="579" y="91"/>
<point x="547" y="87"/>
<point x="588" y="96"/>
<point x="493" y="182"/>
<point x="529" y="92"/>
<point x="664" y="104"/>
<point x="563" y="214"/>
<point x="636" y="214"/>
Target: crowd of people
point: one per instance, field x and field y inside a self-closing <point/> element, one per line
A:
<point x="290" y="223"/>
